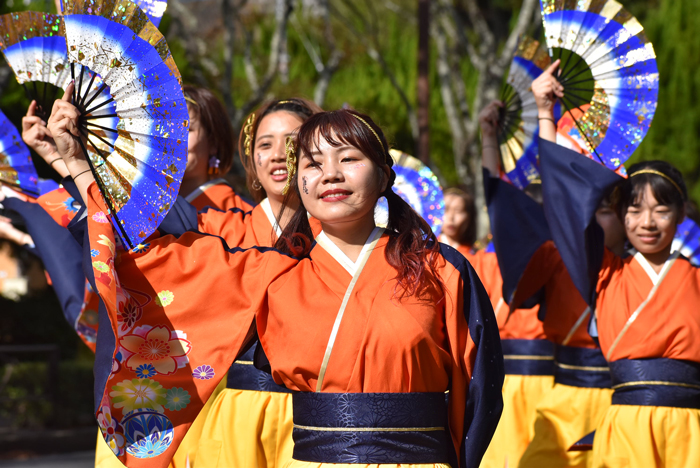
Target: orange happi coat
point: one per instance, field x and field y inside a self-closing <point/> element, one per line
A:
<point x="520" y="324"/>
<point x="667" y="327"/>
<point x="564" y="322"/>
<point x="384" y="343"/>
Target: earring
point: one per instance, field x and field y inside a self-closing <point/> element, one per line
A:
<point x="256" y="185"/>
<point x="214" y="164"/>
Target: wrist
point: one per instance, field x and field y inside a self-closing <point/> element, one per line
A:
<point x="545" y="114"/>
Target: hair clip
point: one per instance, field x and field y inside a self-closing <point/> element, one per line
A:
<point x="291" y="160"/>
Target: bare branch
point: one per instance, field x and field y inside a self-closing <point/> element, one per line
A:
<point x="524" y="18"/>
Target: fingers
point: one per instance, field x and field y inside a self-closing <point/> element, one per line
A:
<point x="31" y="121"/>
<point x="32" y="109"/>
<point x="68" y="95"/>
<point x="553" y="67"/>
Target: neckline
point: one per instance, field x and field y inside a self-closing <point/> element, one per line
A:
<point x="649" y="270"/>
<point x="267" y="208"/>
<point x="351" y="267"/>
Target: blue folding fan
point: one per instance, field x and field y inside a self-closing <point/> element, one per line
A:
<point x="518" y="124"/>
<point x="133" y="111"/>
<point x="609" y="74"/>
<point x="34" y="46"/>
<point x="687" y="240"/>
<point x="419" y="187"/>
<point x="16" y="167"/>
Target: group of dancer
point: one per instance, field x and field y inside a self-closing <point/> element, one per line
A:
<point x="292" y="331"/>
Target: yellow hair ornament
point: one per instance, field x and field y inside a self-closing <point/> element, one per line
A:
<point x="191" y="101"/>
<point x="291" y="159"/>
<point x="248" y="132"/>
<point x="660" y="174"/>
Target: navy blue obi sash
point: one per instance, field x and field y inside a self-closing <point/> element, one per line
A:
<point x="656" y="382"/>
<point x="371" y="428"/>
<point x="581" y="367"/>
<point x="243" y="375"/>
<point x="528" y="357"/>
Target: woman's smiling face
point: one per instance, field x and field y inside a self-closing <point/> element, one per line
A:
<point x="339" y="184"/>
<point x="269" y="150"/>
<point x="650" y="226"/>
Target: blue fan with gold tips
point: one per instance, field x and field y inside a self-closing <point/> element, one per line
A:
<point x="419" y="187"/>
<point x="687" y="240"/>
<point x="518" y="124"/>
<point x="34" y="46"/>
<point x="16" y="167"/>
<point x="609" y="74"/>
<point x="133" y="112"/>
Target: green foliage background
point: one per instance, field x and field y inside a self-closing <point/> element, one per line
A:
<point x="671" y="25"/>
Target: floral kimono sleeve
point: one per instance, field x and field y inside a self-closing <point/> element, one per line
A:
<point x="60" y="205"/>
<point x="475" y="400"/>
<point x="180" y="311"/>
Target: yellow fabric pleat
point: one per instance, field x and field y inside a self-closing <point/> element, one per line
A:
<point x="247" y="429"/>
<point x="565" y="415"/>
<point x="521" y="394"/>
<point x="301" y="464"/>
<point x="104" y="457"/>
<point x="649" y="437"/>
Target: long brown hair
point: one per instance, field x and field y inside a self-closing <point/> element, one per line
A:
<point x="214" y="120"/>
<point x="412" y="247"/>
<point x="303" y="108"/>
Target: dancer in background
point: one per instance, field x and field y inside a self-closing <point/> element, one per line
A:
<point x="646" y="304"/>
<point x="210" y="156"/>
<point x="417" y="325"/>
<point x="529" y="363"/>
<point x="459" y="221"/>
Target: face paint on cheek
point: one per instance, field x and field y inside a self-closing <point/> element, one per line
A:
<point x="259" y="160"/>
<point x="304" y="187"/>
<point x="357" y="166"/>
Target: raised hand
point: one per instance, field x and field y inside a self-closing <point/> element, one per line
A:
<point x="546" y="90"/>
<point x="63" y="125"/>
<point x="488" y="121"/>
<point x="489" y="117"/>
<point x="37" y="136"/>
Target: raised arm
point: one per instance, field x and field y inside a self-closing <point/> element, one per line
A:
<point x="573" y="187"/>
<point x="517" y="222"/>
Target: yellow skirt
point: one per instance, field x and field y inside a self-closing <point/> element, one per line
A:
<point x="521" y="394"/>
<point x="649" y="437"/>
<point x="105" y="458"/>
<point x="301" y="464"/>
<point x="247" y="429"/>
<point x="565" y="414"/>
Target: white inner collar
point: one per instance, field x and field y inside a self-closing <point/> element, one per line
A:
<point x="202" y="188"/>
<point x="653" y="276"/>
<point x="329" y="246"/>
<point x="265" y="204"/>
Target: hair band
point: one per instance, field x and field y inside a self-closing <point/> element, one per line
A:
<point x="660" y="174"/>
<point x="291" y="160"/>
<point x="373" y="131"/>
<point x="190" y="100"/>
